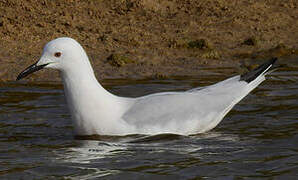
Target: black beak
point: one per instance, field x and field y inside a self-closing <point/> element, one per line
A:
<point x="31" y="69"/>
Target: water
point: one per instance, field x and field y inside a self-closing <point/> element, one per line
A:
<point x="257" y="140"/>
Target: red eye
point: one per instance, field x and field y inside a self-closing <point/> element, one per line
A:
<point x="57" y="54"/>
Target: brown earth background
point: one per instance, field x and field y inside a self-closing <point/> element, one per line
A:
<point x="149" y="38"/>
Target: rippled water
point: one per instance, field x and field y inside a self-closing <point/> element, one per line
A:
<point x="258" y="139"/>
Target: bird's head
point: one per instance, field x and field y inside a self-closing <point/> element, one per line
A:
<point x="61" y="54"/>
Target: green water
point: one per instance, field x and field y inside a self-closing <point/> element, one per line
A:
<point x="257" y="140"/>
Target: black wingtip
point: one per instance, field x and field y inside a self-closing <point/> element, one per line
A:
<point x="252" y="75"/>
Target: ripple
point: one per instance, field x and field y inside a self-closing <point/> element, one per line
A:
<point x="257" y="139"/>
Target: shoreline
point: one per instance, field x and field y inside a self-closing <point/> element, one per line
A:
<point x="149" y="39"/>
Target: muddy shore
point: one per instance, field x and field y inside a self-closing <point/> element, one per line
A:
<point x="149" y="38"/>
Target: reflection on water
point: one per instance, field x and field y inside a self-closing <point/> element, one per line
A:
<point x="258" y="139"/>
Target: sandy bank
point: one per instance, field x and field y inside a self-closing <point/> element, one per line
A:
<point x="148" y="38"/>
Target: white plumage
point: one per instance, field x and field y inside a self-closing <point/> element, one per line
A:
<point x="96" y="111"/>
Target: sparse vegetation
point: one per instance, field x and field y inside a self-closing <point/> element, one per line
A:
<point x="252" y="41"/>
<point x="119" y="60"/>
<point x="200" y="44"/>
<point x="153" y="36"/>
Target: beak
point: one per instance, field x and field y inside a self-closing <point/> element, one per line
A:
<point x="31" y="69"/>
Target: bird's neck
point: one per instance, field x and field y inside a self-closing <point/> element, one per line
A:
<point x="82" y="83"/>
<point x="94" y="110"/>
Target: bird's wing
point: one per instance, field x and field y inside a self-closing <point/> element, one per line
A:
<point x="194" y="108"/>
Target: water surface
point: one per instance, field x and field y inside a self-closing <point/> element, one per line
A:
<point x="256" y="140"/>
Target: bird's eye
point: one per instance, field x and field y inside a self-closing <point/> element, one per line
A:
<point x="57" y="54"/>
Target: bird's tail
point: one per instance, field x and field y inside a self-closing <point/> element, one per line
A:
<point x="261" y="70"/>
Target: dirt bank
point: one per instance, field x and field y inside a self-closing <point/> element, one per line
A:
<point x="148" y="38"/>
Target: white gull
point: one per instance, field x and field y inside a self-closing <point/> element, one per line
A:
<point x="96" y="111"/>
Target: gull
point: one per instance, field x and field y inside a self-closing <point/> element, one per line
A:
<point x="95" y="111"/>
